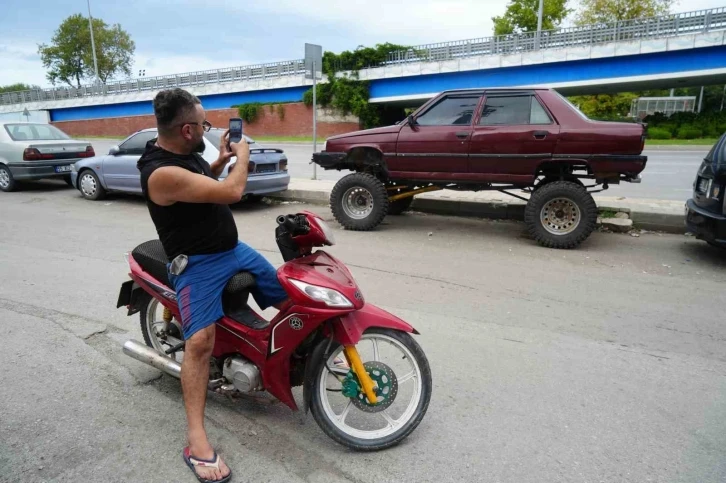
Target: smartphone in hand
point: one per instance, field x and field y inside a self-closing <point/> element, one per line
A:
<point x="235" y="130"/>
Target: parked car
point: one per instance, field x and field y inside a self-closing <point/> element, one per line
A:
<point x="488" y="139"/>
<point x="31" y="151"/>
<point x="117" y="172"/>
<point x="706" y="210"/>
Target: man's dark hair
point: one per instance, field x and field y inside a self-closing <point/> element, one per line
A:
<point x="172" y="106"/>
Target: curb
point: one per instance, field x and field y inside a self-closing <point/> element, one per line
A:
<point x="645" y="218"/>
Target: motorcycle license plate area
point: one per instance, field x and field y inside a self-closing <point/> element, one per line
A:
<point x="124" y="295"/>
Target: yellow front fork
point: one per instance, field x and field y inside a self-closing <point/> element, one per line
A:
<point x="351" y="353"/>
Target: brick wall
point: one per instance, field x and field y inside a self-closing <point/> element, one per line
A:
<point x="296" y="121"/>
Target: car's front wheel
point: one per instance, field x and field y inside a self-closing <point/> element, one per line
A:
<point x="359" y="201"/>
<point x="89" y="186"/>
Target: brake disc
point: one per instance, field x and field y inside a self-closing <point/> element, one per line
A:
<point x="386" y="387"/>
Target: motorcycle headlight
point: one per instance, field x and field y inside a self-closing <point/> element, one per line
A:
<point x="331" y="298"/>
<point x="327" y="231"/>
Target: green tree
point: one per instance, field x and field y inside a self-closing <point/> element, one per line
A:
<point x="605" y="106"/>
<point x="521" y="16"/>
<point x="611" y="11"/>
<point x="17" y="87"/>
<point x="69" y="57"/>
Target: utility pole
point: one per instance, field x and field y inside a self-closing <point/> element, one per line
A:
<point x="539" y="22"/>
<point x="93" y="44"/>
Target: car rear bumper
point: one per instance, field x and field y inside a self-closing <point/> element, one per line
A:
<point x="39" y="170"/>
<point x="267" y="183"/>
<point x="705" y="225"/>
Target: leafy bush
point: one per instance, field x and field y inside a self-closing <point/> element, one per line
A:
<point x="249" y="112"/>
<point x="659" y="133"/>
<point x="689" y="132"/>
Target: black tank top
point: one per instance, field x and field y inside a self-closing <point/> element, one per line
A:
<point x="187" y="228"/>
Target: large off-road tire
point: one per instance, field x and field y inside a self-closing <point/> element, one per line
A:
<point x="362" y="439"/>
<point x="560" y="214"/>
<point x="359" y="201"/>
<point x="7" y="182"/>
<point x="398" y="207"/>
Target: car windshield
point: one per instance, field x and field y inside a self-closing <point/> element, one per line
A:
<point x="214" y="136"/>
<point x="35" y="132"/>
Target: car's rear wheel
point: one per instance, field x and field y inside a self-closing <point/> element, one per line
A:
<point x="89" y="186"/>
<point x="7" y="182"/>
<point x="359" y="201"/>
<point x="560" y="214"/>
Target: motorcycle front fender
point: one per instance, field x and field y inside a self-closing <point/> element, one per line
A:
<point x="349" y="328"/>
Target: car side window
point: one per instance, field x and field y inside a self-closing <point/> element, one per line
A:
<point x="537" y="114"/>
<point x="513" y="110"/>
<point x="451" y="111"/>
<point x="136" y="144"/>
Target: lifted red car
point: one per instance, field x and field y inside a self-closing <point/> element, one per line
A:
<point x="488" y="139"/>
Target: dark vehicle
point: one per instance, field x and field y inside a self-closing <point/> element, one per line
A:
<point x="488" y="139"/>
<point x="706" y="210"/>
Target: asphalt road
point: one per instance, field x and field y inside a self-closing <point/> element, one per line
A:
<point x="603" y="364"/>
<point x="668" y="175"/>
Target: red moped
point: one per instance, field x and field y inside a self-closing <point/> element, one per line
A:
<point x="365" y="379"/>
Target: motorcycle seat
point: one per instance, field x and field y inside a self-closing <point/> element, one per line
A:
<point x="152" y="259"/>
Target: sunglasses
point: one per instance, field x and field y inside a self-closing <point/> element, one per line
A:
<point x="206" y="125"/>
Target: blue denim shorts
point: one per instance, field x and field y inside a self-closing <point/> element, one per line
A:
<point x="200" y="285"/>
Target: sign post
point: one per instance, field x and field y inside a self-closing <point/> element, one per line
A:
<point x="313" y="68"/>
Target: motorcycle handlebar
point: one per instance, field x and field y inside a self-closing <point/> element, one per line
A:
<point x="294" y="224"/>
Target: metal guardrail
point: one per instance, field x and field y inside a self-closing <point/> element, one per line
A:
<point x="646" y="28"/>
<point x="638" y="29"/>
<point x="230" y="74"/>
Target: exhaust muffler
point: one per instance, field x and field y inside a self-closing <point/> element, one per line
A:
<point x="152" y="357"/>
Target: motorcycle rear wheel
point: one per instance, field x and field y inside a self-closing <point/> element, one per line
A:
<point x="152" y="328"/>
<point x="411" y="373"/>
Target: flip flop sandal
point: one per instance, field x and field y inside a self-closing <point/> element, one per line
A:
<point x="213" y="463"/>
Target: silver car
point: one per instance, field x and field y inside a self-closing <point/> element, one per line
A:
<point x="30" y="151"/>
<point x="117" y="172"/>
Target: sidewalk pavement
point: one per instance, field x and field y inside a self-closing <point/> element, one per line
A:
<point x="655" y="215"/>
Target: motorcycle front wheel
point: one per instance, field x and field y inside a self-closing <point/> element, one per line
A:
<point x="401" y="372"/>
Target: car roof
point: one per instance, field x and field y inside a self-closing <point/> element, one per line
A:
<point x="498" y="90"/>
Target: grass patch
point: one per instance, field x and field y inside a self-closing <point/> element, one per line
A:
<point x="287" y="139"/>
<point x="607" y="214"/>
<point x="100" y="138"/>
<point x="681" y="142"/>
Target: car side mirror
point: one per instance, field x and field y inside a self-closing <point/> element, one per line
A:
<point x="411" y="121"/>
<point x="114" y="150"/>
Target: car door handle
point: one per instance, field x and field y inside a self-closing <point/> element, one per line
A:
<point x="462" y="134"/>
<point x="540" y="134"/>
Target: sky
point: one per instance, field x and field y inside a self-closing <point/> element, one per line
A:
<point x="185" y="35"/>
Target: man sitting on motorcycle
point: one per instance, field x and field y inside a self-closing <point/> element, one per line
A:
<point x="189" y="208"/>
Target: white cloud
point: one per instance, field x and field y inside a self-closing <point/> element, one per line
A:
<point x="26" y="67"/>
<point x="23" y="64"/>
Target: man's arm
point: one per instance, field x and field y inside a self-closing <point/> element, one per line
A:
<point x="171" y="184"/>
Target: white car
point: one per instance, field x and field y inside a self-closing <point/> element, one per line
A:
<point x="30" y="151"/>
